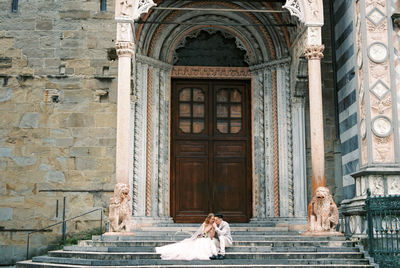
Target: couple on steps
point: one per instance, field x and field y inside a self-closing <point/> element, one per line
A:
<point x="209" y="242"/>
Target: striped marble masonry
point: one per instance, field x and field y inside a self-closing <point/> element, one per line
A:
<point x="346" y="87"/>
<point x="396" y="46"/>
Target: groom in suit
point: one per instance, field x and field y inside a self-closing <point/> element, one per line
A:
<point x="222" y="237"/>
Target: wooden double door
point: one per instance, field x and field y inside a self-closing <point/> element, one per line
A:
<point x="211" y="150"/>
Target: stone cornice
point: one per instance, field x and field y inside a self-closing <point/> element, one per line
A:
<point x="379" y="170"/>
<point x="354" y="206"/>
<point x="271" y="64"/>
<point x="153" y="62"/>
<point x="314" y="52"/>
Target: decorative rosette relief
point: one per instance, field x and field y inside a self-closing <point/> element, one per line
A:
<point x="375" y="98"/>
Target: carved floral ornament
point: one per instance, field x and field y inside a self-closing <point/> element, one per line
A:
<point x="309" y="12"/>
<point x="130" y="10"/>
<point x="210" y="72"/>
<point x="295" y="8"/>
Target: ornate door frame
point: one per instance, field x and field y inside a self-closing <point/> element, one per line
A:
<point x="273" y="184"/>
<point x="152" y="77"/>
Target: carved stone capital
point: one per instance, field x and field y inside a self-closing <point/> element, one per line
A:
<point x="125" y="49"/>
<point x="314" y="52"/>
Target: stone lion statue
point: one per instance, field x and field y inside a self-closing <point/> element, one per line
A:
<point x="323" y="214"/>
<point x="120" y="211"/>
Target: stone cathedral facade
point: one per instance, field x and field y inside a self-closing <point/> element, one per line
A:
<point x="220" y="114"/>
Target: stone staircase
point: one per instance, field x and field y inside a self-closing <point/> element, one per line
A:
<point x="255" y="245"/>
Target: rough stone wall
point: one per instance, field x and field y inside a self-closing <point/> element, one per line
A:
<point x="57" y="117"/>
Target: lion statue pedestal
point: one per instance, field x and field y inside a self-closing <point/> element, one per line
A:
<point x="323" y="214"/>
<point x="120" y="211"/>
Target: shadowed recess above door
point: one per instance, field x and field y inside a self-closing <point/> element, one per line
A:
<point x="211" y="49"/>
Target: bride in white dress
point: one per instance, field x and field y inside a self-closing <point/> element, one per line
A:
<point x="198" y="247"/>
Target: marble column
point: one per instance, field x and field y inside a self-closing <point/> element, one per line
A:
<point x="299" y="161"/>
<point x="313" y="54"/>
<point x="120" y="202"/>
<point x="125" y="51"/>
<point x="126" y="12"/>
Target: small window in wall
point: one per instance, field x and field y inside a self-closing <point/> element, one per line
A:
<point x="14" y="6"/>
<point x="103" y="5"/>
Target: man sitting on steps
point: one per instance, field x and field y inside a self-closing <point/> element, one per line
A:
<point x="222" y="237"/>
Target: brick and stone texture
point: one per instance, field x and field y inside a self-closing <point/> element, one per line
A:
<point x="57" y="117"/>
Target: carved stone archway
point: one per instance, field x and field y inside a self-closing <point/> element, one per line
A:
<point x="272" y="179"/>
<point x="310" y="12"/>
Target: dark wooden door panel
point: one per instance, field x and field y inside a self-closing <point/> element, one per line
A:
<point x="191" y="148"/>
<point x="210" y="151"/>
<point x="192" y="186"/>
<point x="230" y="149"/>
<point x="229" y="182"/>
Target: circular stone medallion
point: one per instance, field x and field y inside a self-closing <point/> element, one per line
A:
<point x="381" y="126"/>
<point x="378" y="52"/>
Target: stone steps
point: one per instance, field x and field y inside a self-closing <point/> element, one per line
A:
<point x="156" y="243"/>
<point x="157" y="262"/>
<point x="151" y="249"/>
<point x="186" y="232"/>
<point x="259" y="247"/>
<point x="229" y="255"/>
<point x="248" y="237"/>
<point x="233" y="229"/>
<point x="232" y="249"/>
<point x="232" y="225"/>
<point x="49" y="265"/>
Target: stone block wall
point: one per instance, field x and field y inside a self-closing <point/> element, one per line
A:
<point x="57" y="118"/>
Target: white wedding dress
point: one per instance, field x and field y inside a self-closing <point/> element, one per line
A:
<point x="198" y="247"/>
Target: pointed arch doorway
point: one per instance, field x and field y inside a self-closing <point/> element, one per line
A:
<point x="211" y="150"/>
